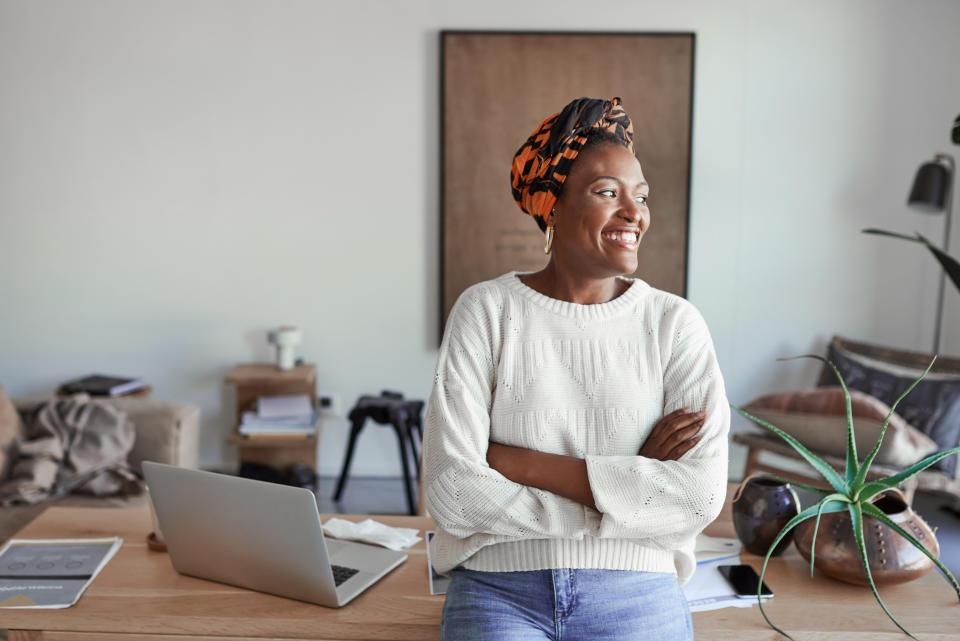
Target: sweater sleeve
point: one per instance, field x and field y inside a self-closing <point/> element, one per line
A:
<point x="464" y="495"/>
<point x="668" y="503"/>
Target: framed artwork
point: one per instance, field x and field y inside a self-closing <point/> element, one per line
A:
<point x="497" y="87"/>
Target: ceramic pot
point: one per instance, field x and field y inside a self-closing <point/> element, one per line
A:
<point x="761" y="508"/>
<point x="892" y="558"/>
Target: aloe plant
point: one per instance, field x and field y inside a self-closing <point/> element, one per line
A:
<point x="851" y="492"/>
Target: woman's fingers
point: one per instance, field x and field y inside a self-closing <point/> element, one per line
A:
<point x="670" y="424"/>
<point x="683" y="434"/>
<point x="673" y="435"/>
<point x="682" y="449"/>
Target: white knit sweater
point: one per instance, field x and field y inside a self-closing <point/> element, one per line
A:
<point x="519" y="368"/>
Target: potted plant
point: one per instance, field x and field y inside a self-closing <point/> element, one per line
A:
<point x="851" y="492"/>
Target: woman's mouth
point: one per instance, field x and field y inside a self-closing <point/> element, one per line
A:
<point x="624" y="238"/>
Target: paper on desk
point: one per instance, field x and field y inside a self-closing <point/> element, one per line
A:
<point x="711" y="548"/>
<point x="51" y="573"/>
<point x="370" y="531"/>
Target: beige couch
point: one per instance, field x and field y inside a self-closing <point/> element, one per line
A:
<point x="166" y="432"/>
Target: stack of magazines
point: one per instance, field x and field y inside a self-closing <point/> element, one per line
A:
<point x="291" y="415"/>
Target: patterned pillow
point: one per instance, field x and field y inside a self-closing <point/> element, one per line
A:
<point x="933" y="407"/>
<point x="817" y="418"/>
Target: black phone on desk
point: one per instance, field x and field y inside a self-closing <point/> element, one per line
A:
<point x="743" y="579"/>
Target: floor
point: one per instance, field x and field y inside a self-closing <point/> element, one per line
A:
<point x="372" y="495"/>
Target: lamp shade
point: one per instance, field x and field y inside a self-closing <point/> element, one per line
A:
<point x="930" y="187"/>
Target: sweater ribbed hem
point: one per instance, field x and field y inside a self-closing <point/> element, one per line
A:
<point x="625" y="301"/>
<point x="586" y="553"/>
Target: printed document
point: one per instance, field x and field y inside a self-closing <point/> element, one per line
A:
<point x="51" y="573"/>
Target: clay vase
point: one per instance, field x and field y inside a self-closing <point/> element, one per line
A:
<point x="892" y="558"/>
<point x="761" y="507"/>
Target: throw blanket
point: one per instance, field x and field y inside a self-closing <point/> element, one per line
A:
<point x="70" y="444"/>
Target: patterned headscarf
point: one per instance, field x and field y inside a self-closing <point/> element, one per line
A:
<point x="543" y="162"/>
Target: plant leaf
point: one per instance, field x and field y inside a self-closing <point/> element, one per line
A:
<point x="852" y="467"/>
<point x="877" y="513"/>
<point x="839" y="498"/>
<point x="821" y="466"/>
<point x="871" y="489"/>
<point x="883" y="232"/>
<point x="812" y="488"/>
<point x="856" y="517"/>
<point x="948" y="262"/>
<point x="862" y="475"/>
<point x="792" y="523"/>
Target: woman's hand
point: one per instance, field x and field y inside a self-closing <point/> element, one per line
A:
<point x="673" y="435"/>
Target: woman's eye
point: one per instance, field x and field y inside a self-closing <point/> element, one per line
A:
<point x="608" y="192"/>
<point x="642" y="200"/>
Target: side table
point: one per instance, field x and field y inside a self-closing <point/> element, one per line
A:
<point x="253" y="380"/>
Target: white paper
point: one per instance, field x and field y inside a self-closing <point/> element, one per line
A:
<point x="51" y="573"/>
<point x="370" y="531"/>
<point x="284" y="406"/>
<point x="712" y="548"/>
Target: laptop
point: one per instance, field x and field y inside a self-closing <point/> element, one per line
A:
<point x="259" y="535"/>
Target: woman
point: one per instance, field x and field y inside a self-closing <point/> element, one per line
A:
<point x="576" y="436"/>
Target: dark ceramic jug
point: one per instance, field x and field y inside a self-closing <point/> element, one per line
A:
<point x="761" y="508"/>
<point x="892" y="558"/>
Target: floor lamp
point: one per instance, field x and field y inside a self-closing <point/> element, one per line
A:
<point x="933" y="192"/>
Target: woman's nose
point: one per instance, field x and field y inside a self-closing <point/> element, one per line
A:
<point x="633" y="212"/>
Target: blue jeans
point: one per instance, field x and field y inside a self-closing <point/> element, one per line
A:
<point x="565" y="605"/>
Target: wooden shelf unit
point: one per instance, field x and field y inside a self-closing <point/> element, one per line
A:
<point x="253" y="380"/>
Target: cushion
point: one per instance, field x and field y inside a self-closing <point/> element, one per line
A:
<point x="9" y="428"/>
<point x="933" y="407"/>
<point x="817" y="418"/>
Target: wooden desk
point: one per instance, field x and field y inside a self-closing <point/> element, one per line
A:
<point x="139" y="597"/>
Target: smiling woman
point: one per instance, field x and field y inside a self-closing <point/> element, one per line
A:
<point x="576" y="436"/>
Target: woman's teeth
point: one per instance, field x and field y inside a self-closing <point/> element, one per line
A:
<point x="626" y="236"/>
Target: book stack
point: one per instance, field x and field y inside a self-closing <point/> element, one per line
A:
<point x="102" y="385"/>
<point x="290" y="415"/>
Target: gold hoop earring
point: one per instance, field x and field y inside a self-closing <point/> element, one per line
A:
<point x="549" y="245"/>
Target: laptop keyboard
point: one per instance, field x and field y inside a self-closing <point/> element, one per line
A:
<point x="341" y="574"/>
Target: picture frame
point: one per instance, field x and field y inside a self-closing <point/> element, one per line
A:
<point x="496" y="89"/>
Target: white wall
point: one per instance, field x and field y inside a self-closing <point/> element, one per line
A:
<point x="178" y="176"/>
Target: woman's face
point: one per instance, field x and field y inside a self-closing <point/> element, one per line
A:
<point x="602" y="213"/>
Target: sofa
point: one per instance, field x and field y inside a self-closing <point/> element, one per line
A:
<point x="166" y="432"/>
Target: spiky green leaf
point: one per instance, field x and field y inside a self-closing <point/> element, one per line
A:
<point x="852" y="466"/>
<point x="821" y="466"/>
<point x="871" y="489"/>
<point x="840" y="498"/>
<point x="792" y="523"/>
<point x="856" y="519"/>
<point x="872" y="510"/>
<point x="862" y="475"/>
<point x="812" y="488"/>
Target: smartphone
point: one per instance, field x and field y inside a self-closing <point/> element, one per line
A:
<point x="743" y="579"/>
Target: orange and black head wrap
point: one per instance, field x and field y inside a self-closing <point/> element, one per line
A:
<point x="543" y="162"/>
